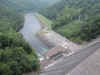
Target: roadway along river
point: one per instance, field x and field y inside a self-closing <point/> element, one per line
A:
<point x="31" y="27"/>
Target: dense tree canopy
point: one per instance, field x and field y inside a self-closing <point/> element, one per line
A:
<point x="10" y="19"/>
<point x="78" y="20"/>
<point x="16" y="56"/>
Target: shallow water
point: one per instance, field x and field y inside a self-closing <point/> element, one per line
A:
<point x="31" y="27"/>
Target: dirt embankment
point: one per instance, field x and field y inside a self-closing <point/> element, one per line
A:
<point x="52" y="39"/>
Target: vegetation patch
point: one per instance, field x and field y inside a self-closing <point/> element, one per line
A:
<point x="45" y="20"/>
<point x="16" y="56"/>
<point x="78" y="20"/>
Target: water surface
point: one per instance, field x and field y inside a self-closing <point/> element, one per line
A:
<point x="31" y="27"/>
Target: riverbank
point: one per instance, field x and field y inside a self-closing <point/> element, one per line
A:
<point x="55" y="42"/>
<point x="52" y="39"/>
<point x="47" y="36"/>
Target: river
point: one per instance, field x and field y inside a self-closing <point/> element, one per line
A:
<point x="31" y="27"/>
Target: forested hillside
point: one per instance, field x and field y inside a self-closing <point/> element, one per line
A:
<point x="78" y="20"/>
<point x="27" y="5"/>
<point x="16" y="56"/>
